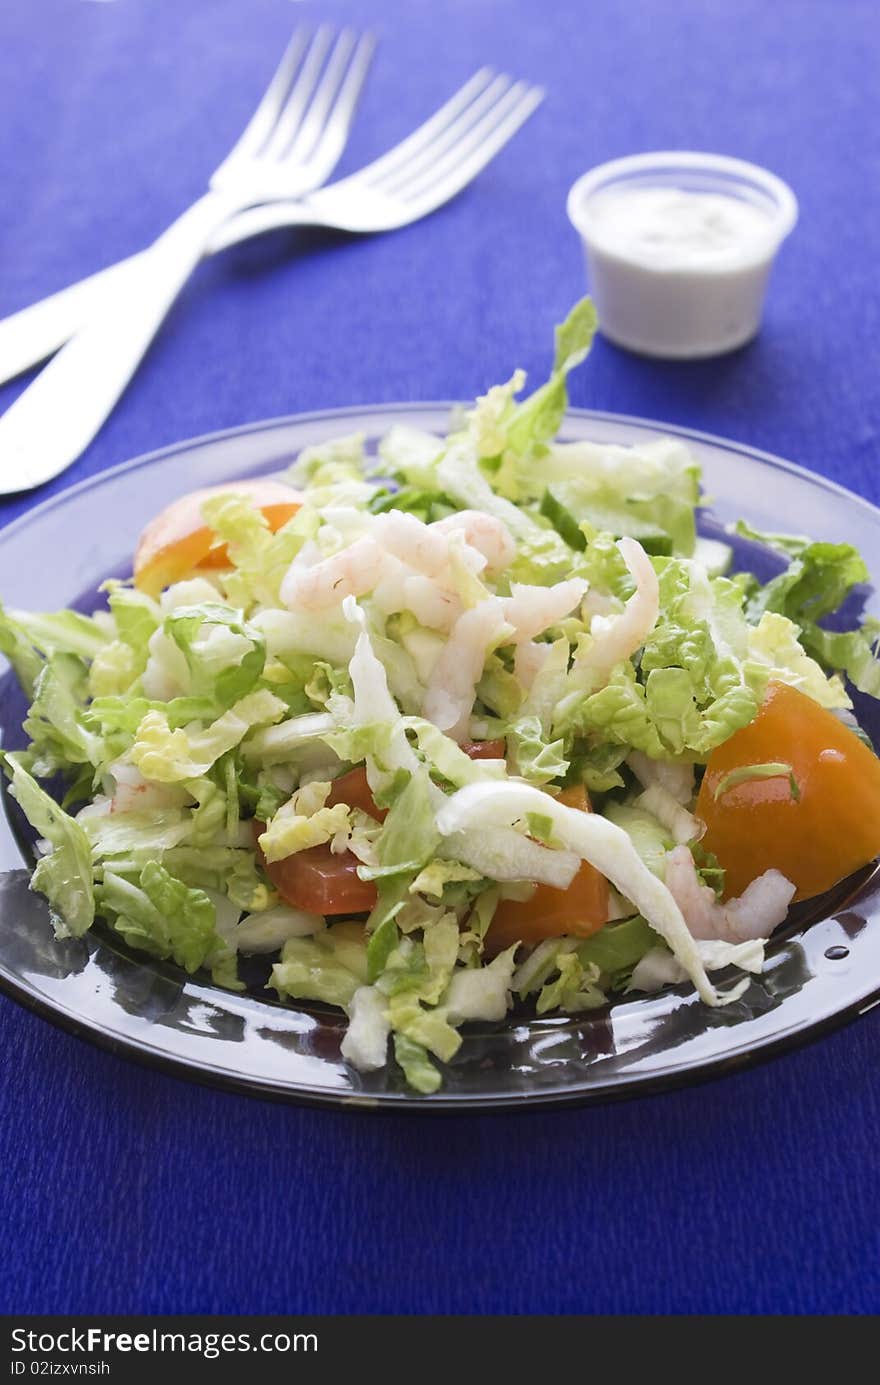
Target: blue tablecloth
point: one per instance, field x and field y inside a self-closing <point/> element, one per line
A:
<point x="124" y="1190"/>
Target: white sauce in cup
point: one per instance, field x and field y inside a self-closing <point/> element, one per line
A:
<point x="678" y="255"/>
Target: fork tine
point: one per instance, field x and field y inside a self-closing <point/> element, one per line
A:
<point x="433" y="193"/>
<point x="309" y="127"/>
<point x="349" y="56"/>
<point x="412" y="143"/>
<point x="263" y="118"/>
<point x="334" y="116"/>
<point x="409" y="168"/>
<point x="468" y="140"/>
<point x="294" y="113"/>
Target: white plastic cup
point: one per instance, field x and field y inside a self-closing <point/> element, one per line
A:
<point x="681" y="310"/>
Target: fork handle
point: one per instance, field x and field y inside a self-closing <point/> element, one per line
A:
<point x="33" y="333"/>
<point x="56" y="418"/>
<point x="30" y="335"/>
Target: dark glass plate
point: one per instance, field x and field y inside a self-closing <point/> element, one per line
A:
<point x="823" y="965"/>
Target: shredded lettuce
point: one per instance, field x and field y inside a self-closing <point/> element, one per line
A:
<point x="302" y="822"/>
<point x="64" y="874"/>
<point x="533" y="757"/>
<point x="329" y="966"/>
<point x="161" y="915"/>
<point x="171" y="756"/>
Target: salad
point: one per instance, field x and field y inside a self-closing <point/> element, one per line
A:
<point x="463" y="724"/>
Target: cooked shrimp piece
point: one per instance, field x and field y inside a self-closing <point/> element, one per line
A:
<point x="485" y="533"/>
<point x="389" y="593"/>
<point x="417" y="545"/>
<point x="450" y="694"/>
<point x="760" y="908"/>
<point x="432" y="605"/>
<point x="353" y="571"/>
<point x="532" y="610"/>
<point x="618" y="637"/>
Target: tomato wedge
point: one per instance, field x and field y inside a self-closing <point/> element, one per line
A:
<point x="817" y="834"/>
<point x="322" y="882"/>
<point x="177" y="542"/>
<point x="577" y="912"/>
<point x="353" y="789"/>
<point x="484" y="750"/>
<point x="319" y="882"/>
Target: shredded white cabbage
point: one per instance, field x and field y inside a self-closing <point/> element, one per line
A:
<point x="594" y="839"/>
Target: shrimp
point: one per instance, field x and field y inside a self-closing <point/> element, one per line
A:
<point x="389" y="594"/>
<point x="431" y="604"/>
<point x="488" y="535"/>
<point x="759" y="909"/>
<point x="417" y="545"/>
<point x="353" y="571"/>
<point x="531" y="610"/>
<point x="618" y="637"/>
<point x="452" y="688"/>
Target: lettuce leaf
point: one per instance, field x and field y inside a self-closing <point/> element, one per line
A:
<point x="61" y="632"/>
<point x="776" y="649"/>
<point x="303" y="822"/>
<point x="161" y="915"/>
<point x="574" y="988"/>
<point x="617" y="947"/>
<point x="64" y="875"/>
<point x="534" y="757"/>
<point x="649" y="837"/>
<point x="853" y="652"/>
<point x="538" y="419"/>
<point x="224" y="655"/>
<point x="481" y="993"/>
<point x="172" y="756"/>
<point x="329" y="966"/>
<point x="815" y="583"/>
<point x="137" y="617"/>
<point x="420" y="1073"/>
<point x="56" y="722"/>
<point x="259" y="557"/>
<point x="20" y="651"/>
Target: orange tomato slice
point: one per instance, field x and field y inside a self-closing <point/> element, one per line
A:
<point x="578" y="912"/>
<point x="178" y="543"/>
<point x="815" y="838"/>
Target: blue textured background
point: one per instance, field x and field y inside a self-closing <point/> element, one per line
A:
<point x="123" y="1190"/>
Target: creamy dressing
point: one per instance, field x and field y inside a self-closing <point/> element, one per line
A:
<point x="669" y="228"/>
<point x="679" y="246"/>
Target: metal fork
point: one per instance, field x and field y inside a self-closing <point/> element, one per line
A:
<point x="30" y="335"/>
<point x="290" y="146"/>
<point x="414" y="178"/>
